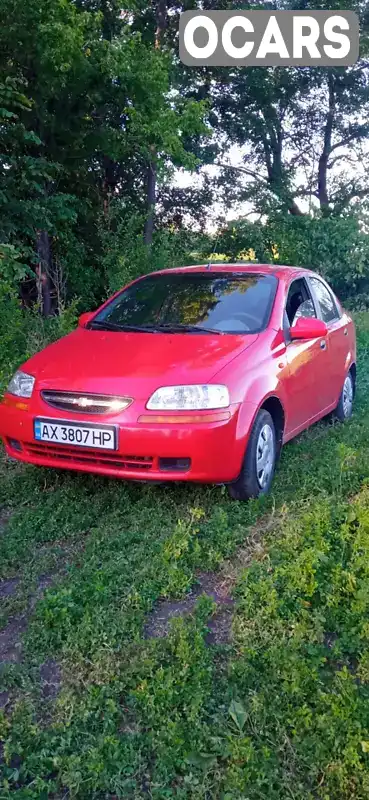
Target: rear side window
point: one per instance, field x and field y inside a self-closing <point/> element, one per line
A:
<point x="326" y="301"/>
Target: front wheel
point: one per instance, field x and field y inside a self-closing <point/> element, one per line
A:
<point x="345" y="404"/>
<point x="260" y="459"/>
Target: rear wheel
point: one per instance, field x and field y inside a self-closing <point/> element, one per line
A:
<point x="344" y="408"/>
<point x="260" y="459"/>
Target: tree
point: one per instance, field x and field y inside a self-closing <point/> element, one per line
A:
<point x="302" y="132"/>
<point x="42" y="50"/>
<point x="98" y="101"/>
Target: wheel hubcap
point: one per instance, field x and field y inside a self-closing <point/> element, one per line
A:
<point x="347" y="396"/>
<point x="264" y="455"/>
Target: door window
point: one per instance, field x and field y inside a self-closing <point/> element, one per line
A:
<point x="299" y="302"/>
<point x="326" y="301"/>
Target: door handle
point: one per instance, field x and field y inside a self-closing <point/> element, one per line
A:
<point x="345" y="332"/>
<point x="323" y="344"/>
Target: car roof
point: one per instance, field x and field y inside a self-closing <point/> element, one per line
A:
<point x="279" y="270"/>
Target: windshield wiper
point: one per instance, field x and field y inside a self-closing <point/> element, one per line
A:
<point x="105" y="326"/>
<point x="113" y="326"/>
<point x="182" y="327"/>
<point x="162" y="327"/>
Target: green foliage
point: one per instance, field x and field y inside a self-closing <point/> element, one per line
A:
<point x="302" y="638"/>
<point x="88" y="100"/>
<point x="23" y="332"/>
<point x="282" y="711"/>
<point x="337" y="247"/>
<point x="125" y="256"/>
<point x="82" y="114"/>
<point x="12" y="270"/>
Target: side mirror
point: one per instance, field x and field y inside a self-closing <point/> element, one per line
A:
<point x="85" y="318"/>
<point x="308" y="328"/>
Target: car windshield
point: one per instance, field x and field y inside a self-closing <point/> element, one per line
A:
<point x="192" y="302"/>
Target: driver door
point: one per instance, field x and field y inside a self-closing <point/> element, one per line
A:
<point x="307" y="381"/>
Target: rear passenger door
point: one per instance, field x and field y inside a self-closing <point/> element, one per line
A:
<point x="338" y="343"/>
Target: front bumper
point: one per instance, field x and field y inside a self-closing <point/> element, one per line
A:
<point x="208" y="452"/>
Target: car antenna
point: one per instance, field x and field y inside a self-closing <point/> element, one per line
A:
<point x="208" y="266"/>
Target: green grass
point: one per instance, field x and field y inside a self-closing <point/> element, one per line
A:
<point x="280" y="712"/>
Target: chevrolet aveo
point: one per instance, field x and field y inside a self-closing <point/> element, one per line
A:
<point x="193" y="374"/>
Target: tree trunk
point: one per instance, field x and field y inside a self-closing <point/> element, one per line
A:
<point x="151" y="200"/>
<point x="44" y="269"/>
<point x="161" y="22"/>
<point x="294" y="210"/>
<point x="109" y="182"/>
<point x="327" y="146"/>
<point x="273" y="143"/>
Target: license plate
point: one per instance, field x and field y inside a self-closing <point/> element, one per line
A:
<point x="75" y="434"/>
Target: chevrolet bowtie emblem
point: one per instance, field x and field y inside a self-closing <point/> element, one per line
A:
<point x="84" y="402"/>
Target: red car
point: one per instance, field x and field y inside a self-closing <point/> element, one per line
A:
<point x="194" y="374"/>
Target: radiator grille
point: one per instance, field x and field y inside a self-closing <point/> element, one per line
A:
<point x="64" y="453"/>
<point x="86" y="403"/>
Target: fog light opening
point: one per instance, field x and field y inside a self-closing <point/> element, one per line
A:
<point x="15" y="445"/>
<point x="174" y="464"/>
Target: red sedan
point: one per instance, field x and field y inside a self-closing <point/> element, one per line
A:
<point x="196" y="374"/>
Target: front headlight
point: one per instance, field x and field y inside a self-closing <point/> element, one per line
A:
<point x="195" y="397"/>
<point x="21" y="384"/>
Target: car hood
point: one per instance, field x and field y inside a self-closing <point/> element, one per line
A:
<point x="132" y="363"/>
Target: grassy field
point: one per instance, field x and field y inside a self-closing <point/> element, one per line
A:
<point x="258" y="687"/>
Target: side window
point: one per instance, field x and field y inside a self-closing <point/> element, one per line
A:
<point x="299" y="302"/>
<point x="326" y="302"/>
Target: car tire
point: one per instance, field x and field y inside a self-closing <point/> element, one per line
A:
<point x="343" y="410"/>
<point x="253" y="479"/>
